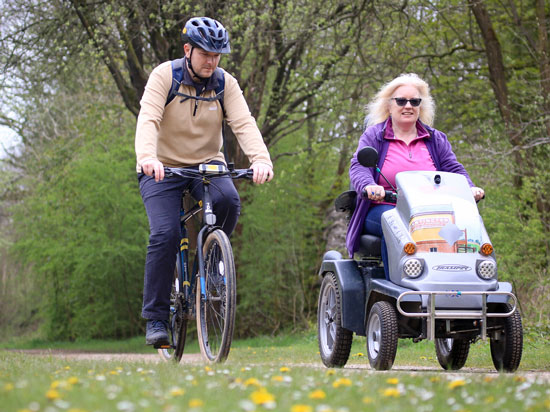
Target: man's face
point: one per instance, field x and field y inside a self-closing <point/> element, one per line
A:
<point x="204" y="63"/>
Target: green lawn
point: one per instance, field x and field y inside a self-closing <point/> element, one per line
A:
<point x="282" y="374"/>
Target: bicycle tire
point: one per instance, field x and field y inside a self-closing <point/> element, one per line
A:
<point x="177" y="329"/>
<point x="216" y="308"/>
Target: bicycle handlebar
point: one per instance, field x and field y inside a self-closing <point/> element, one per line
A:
<point x="194" y="173"/>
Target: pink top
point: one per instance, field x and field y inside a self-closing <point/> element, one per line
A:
<point x="402" y="157"/>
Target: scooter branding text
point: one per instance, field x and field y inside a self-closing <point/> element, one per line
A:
<point x="452" y="268"/>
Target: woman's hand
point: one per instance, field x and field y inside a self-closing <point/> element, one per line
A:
<point x="478" y="193"/>
<point x="375" y="192"/>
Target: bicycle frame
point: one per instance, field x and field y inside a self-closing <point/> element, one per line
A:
<point x="186" y="283"/>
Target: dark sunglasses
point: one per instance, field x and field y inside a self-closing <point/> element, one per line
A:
<point x="401" y="101"/>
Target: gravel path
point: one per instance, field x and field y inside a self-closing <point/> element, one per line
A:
<point x="196" y="358"/>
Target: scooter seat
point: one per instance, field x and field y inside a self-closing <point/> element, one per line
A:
<point x="370" y="246"/>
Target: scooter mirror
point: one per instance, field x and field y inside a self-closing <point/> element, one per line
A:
<point x="367" y="156"/>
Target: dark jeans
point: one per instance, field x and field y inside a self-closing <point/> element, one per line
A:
<point x="373" y="226"/>
<point x="162" y="202"/>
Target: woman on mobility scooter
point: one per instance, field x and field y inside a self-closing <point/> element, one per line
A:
<point x="422" y="265"/>
<point x="399" y="123"/>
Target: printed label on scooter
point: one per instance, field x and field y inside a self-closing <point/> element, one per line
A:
<point x="452" y="268"/>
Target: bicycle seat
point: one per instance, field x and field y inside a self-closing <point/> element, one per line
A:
<point x="369" y="246"/>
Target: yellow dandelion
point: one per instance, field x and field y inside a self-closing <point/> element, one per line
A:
<point x="261" y="397"/>
<point x="391" y="393"/>
<point x="277" y="378"/>
<point x="456" y="383"/>
<point x="301" y="408"/>
<point x="489" y="379"/>
<point x="52" y="394"/>
<point x="359" y="354"/>
<point x="519" y="378"/>
<point x="252" y="382"/>
<point x="113" y="372"/>
<point x="368" y="400"/>
<point x="434" y="379"/>
<point x="330" y="372"/>
<point x="196" y="403"/>
<point x="67" y="368"/>
<point x="392" y="381"/>
<point x="423" y="358"/>
<point x="317" y="394"/>
<point x="73" y="380"/>
<point x="8" y="387"/>
<point x="176" y="392"/>
<point x="341" y="382"/>
<point x="208" y="369"/>
<point x="238" y="381"/>
<point x="55" y="384"/>
<point x="284" y="369"/>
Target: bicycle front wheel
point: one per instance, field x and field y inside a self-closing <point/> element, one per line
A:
<point x="216" y="298"/>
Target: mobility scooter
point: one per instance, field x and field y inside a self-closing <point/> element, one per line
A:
<point x="443" y="279"/>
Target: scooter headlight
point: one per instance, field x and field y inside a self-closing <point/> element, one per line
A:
<point x="486" y="269"/>
<point x="413" y="267"/>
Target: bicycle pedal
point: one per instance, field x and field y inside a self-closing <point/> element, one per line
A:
<point x="162" y="346"/>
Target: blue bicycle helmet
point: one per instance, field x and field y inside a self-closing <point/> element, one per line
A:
<point x="207" y="34"/>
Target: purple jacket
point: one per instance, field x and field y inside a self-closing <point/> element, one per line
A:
<point x="360" y="176"/>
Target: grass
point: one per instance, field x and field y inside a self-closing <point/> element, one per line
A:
<point x="282" y="373"/>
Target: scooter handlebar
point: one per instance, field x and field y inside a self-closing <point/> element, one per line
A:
<point x="389" y="196"/>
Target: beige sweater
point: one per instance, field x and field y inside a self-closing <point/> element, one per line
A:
<point x="176" y="137"/>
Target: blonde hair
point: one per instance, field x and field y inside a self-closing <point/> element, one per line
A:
<point x="378" y="110"/>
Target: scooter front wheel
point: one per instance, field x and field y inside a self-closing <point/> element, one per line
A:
<point x="452" y="353"/>
<point x="334" y="340"/>
<point x="382" y="335"/>
<point x="506" y="350"/>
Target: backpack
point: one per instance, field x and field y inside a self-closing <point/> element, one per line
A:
<point x="177" y="77"/>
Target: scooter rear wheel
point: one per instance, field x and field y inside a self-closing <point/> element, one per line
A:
<point x="506" y="351"/>
<point x="334" y="341"/>
<point x="452" y="353"/>
<point x="382" y="335"/>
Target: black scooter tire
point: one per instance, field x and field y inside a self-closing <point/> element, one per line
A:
<point x="453" y="356"/>
<point x="334" y="340"/>
<point x="382" y="335"/>
<point x="507" y="350"/>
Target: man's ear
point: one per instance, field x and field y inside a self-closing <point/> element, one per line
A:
<point x="187" y="49"/>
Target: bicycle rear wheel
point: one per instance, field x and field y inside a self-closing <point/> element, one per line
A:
<point x="215" y="305"/>
<point x="177" y="328"/>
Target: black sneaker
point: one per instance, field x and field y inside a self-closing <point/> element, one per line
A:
<point x="156" y="333"/>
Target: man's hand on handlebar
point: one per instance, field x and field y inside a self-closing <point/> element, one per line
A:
<point x="262" y="172"/>
<point x="153" y="167"/>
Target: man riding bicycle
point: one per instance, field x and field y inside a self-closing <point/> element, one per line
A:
<point x="187" y="131"/>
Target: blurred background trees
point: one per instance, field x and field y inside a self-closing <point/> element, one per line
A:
<point x="74" y="232"/>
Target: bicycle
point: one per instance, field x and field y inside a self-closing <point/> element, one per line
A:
<point x="208" y="293"/>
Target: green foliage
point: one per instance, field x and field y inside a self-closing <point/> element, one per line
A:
<point x="279" y="249"/>
<point x="82" y="234"/>
<point x="307" y="70"/>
